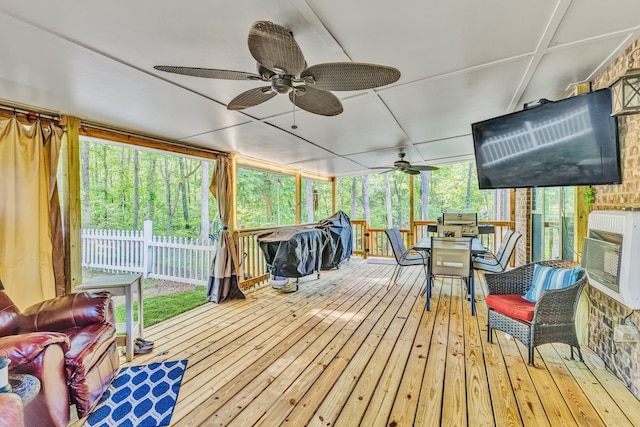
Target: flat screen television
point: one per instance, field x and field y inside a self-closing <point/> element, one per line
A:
<point x="569" y="142"/>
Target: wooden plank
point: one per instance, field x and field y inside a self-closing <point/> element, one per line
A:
<point x="429" y="410"/>
<point x="385" y="394"/>
<point x="624" y="400"/>
<point x="576" y="400"/>
<point x="406" y="359"/>
<point x="379" y="342"/>
<point x="271" y="382"/>
<point x="477" y="385"/>
<point x="402" y="409"/>
<point x="146" y="141"/>
<point x="285" y="395"/>
<point x="246" y="284"/>
<point x="254" y="355"/>
<point x="346" y="351"/>
<point x="503" y="400"/>
<point x="529" y="403"/>
<point x="555" y="407"/>
<point x="229" y="334"/>
<point x="454" y="403"/>
<point x="336" y="378"/>
<point x="597" y="395"/>
<point x="72" y="209"/>
<point x="220" y="325"/>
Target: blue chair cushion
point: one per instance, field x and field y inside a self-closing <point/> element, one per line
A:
<point x="550" y="278"/>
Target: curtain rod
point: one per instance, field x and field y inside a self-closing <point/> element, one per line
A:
<point x="83" y="123"/>
<point x="31" y="112"/>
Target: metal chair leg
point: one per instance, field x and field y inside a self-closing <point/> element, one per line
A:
<point x="427" y="281"/>
<point x="394" y="276"/>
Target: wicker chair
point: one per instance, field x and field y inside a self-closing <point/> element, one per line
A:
<point x="553" y="313"/>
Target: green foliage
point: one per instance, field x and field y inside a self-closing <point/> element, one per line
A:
<point x="163" y="307"/>
<point x="169" y="193"/>
<point x="589" y="195"/>
<point x="265" y="198"/>
<point x="108" y="186"/>
<point x="453" y="188"/>
<point x="322" y="192"/>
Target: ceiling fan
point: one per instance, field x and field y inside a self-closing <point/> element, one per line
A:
<point x="282" y="64"/>
<point x="404" y="166"/>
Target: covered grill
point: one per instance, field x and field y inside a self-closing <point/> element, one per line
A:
<point x="339" y="239"/>
<point x="293" y="251"/>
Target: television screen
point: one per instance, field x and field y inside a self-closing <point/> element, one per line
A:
<point x="564" y="143"/>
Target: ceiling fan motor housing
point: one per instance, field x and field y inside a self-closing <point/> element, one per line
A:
<point x="281" y="84"/>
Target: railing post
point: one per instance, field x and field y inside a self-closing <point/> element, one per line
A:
<point x="366" y="242"/>
<point x="147" y="236"/>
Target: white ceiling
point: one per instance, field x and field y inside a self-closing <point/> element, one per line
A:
<point x="461" y="62"/>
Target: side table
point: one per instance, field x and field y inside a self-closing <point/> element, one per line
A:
<point x="26" y="386"/>
<point x="122" y="284"/>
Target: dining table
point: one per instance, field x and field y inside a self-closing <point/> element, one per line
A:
<point x="477" y="248"/>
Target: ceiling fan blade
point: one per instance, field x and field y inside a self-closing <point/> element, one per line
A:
<point x="251" y="98"/>
<point x="275" y="48"/>
<point x="209" y="73"/>
<point x="349" y="75"/>
<point x="411" y="171"/>
<point x="316" y="101"/>
<point x="424" y="168"/>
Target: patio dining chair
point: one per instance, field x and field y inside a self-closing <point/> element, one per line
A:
<point x="403" y="256"/>
<point x="498" y="262"/>
<point x="536" y="303"/>
<point x="451" y="257"/>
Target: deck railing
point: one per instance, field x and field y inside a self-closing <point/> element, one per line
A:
<point x="156" y="257"/>
<point x="189" y="260"/>
<point x="375" y="243"/>
<point x="253" y="265"/>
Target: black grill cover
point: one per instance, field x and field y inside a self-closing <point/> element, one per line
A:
<point x="292" y="251"/>
<point x="339" y="244"/>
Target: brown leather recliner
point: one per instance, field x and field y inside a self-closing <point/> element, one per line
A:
<point x="68" y="343"/>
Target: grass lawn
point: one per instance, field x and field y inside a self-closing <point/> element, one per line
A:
<point x="163" y="307"/>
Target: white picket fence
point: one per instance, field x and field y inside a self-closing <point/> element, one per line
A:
<point x="155" y="257"/>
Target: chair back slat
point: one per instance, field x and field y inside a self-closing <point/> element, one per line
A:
<point x="507" y="247"/>
<point x="450" y="256"/>
<point x="396" y="242"/>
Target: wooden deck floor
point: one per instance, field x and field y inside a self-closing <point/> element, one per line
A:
<point x="345" y="351"/>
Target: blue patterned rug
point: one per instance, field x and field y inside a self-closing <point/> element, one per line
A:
<point x="140" y="396"/>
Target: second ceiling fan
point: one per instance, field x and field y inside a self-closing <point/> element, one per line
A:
<point x="282" y="64"/>
<point x="404" y="166"/>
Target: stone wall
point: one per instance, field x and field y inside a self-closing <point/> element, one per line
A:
<point x="605" y="312"/>
<point x="620" y="358"/>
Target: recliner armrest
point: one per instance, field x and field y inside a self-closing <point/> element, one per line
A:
<point x="68" y="311"/>
<point x="24" y="348"/>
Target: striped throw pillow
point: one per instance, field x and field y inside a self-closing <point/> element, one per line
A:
<point x="550" y="278"/>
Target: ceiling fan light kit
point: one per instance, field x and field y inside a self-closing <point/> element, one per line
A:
<point x="282" y="65"/>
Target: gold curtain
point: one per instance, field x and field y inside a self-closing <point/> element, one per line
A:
<point x="223" y="283"/>
<point x="29" y="211"/>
